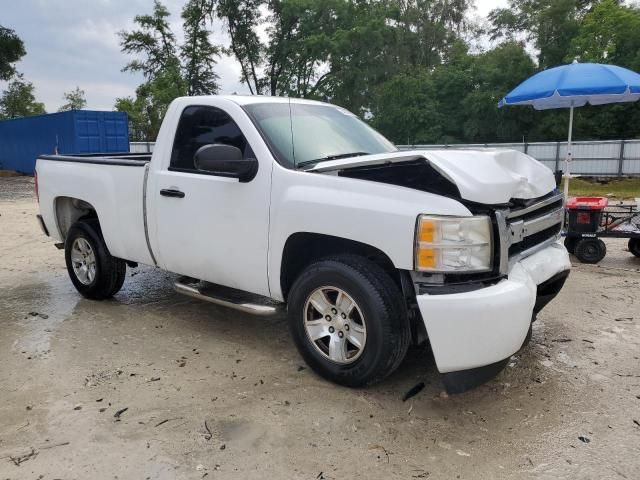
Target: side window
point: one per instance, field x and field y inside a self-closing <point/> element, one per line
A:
<point x="200" y="126"/>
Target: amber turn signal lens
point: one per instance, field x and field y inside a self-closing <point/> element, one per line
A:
<point x="426" y="258"/>
<point x="427" y="230"/>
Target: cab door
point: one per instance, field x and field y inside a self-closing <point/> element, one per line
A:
<point x="212" y="227"/>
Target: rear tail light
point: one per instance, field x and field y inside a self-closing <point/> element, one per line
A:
<point x="36" y="186"/>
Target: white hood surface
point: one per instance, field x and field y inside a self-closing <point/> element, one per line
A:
<point x="489" y="176"/>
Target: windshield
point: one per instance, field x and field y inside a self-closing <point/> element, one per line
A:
<point x="301" y="135"/>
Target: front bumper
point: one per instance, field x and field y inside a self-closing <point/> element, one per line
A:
<point x="485" y="326"/>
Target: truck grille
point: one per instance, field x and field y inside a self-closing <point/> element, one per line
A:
<point x="523" y="230"/>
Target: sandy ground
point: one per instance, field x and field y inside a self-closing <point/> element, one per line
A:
<point x="204" y="392"/>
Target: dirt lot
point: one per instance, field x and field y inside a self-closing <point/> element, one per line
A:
<point x="153" y="385"/>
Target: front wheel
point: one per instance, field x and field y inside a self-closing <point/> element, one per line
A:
<point x="93" y="271"/>
<point x="348" y="320"/>
<point x="634" y="246"/>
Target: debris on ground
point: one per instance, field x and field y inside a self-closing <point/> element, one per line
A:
<point x="19" y="459"/>
<point x="413" y="391"/>
<point x="208" y="436"/>
<point x="168" y="420"/>
<point x="120" y="412"/>
<point x="23" y="458"/>
<point x="584" y="439"/>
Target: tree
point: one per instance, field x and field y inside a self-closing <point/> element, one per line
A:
<point x="198" y="52"/>
<point x="11" y="50"/>
<point x="166" y="75"/>
<point x="157" y="49"/>
<point x="154" y="41"/>
<point x="609" y="33"/>
<point x="457" y="101"/>
<point x="337" y="49"/>
<point x="146" y="111"/>
<point x="549" y="24"/>
<point x="242" y="19"/>
<point x="18" y="100"/>
<point x="406" y="109"/>
<point x="75" y="100"/>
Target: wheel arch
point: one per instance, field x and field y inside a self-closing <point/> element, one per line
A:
<point x="303" y="248"/>
<point x="68" y="210"/>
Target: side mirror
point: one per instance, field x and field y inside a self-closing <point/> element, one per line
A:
<point x="225" y="161"/>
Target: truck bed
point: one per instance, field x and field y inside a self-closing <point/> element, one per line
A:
<point x="108" y="184"/>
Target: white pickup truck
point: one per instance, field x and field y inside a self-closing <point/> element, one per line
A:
<point x="260" y="203"/>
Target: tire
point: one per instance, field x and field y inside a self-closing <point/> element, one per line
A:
<point x="590" y="250"/>
<point x="103" y="275"/>
<point x="378" y="310"/>
<point x="570" y="244"/>
<point x="634" y="246"/>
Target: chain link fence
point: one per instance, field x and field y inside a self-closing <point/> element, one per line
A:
<point x="606" y="158"/>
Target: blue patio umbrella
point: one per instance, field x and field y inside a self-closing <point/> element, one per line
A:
<point x="575" y="85"/>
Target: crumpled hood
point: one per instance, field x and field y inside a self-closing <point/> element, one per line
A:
<point x="489" y="176"/>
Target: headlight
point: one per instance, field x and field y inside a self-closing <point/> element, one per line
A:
<point x="453" y="244"/>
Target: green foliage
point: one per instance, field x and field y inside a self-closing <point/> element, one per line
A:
<point x="456" y="102"/>
<point x="11" y="50"/>
<point x="548" y="24"/>
<point x="18" y="100"/>
<point x="153" y="41"/>
<point x="75" y="100"/>
<point x="405" y="65"/>
<point x="609" y="33"/>
<point x="167" y="74"/>
<point x="150" y="104"/>
<point x="242" y="18"/>
<point x="337" y="49"/>
<point x="197" y="50"/>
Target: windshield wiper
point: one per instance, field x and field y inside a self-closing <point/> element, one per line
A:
<point x="331" y="157"/>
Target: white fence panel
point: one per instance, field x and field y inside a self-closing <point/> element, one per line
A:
<point x="590" y="158"/>
<point x="141" y="147"/>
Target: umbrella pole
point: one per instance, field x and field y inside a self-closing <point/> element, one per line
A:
<point x="567" y="160"/>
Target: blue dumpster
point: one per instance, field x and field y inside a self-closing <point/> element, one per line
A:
<point x="74" y="131"/>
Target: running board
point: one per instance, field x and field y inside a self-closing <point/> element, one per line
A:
<point x="227" y="297"/>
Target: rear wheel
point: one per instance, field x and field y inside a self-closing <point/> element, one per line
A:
<point x="590" y="250"/>
<point x="348" y="320"/>
<point x="93" y="271"/>
<point x="634" y="246"/>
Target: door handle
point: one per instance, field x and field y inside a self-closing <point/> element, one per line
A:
<point x="171" y="192"/>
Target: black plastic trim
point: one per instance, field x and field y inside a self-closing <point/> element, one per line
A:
<point x="451" y="288"/>
<point x="104" y="160"/>
<point x="464" y="380"/>
<point x="42" y="225"/>
<point x="549" y="289"/>
<point x="203" y="172"/>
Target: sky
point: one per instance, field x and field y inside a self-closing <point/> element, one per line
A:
<point x="73" y="43"/>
